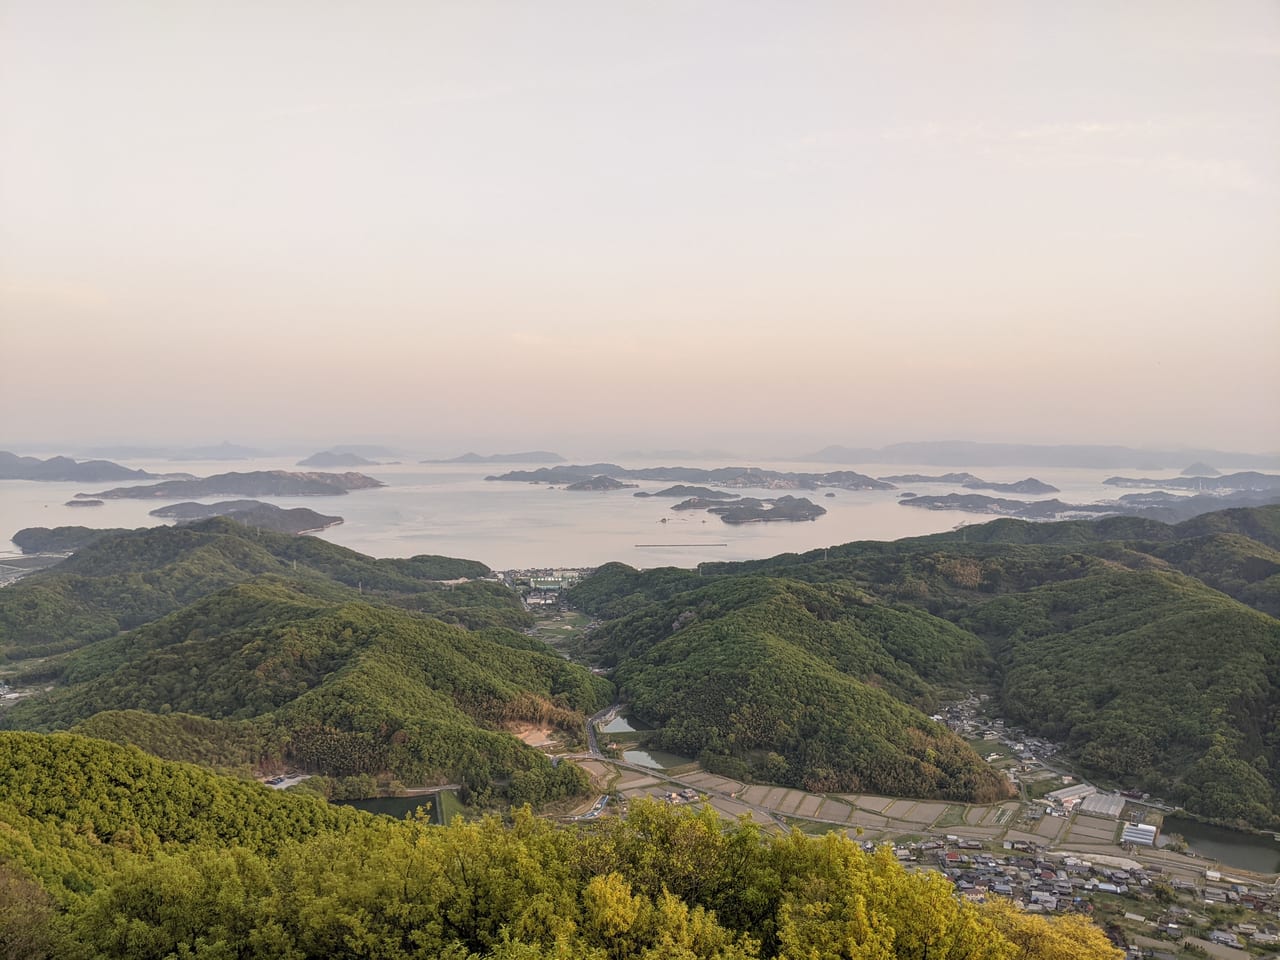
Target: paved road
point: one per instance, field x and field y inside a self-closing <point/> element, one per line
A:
<point x="604" y="716"/>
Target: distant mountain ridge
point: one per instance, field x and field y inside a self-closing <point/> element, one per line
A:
<point x="220" y="451"/>
<point x="529" y="456"/>
<point x="1232" y="482"/>
<point x="14" y="467"/>
<point x="968" y="453"/>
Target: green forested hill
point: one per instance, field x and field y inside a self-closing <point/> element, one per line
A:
<point x="340" y="688"/>
<point x="1151" y="678"/>
<point x="130" y="578"/>
<point x="819" y="687"/>
<point x="107" y="853"/>
<point x="1149" y="650"/>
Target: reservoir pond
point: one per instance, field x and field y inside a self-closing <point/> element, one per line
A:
<point x="396" y="806"/>
<point x="1259" y="852"/>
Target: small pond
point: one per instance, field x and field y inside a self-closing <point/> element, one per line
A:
<point x="624" y="724"/>
<point x="657" y="759"/>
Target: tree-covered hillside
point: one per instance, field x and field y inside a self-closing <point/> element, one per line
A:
<point x="817" y="687"/>
<point x="1151" y="651"/>
<point x="340" y="688"/>
<point x="130" y="578"/>
<point x="1149" y="678"/>
<point x="106" y="853"/>
<point x="246" y="650"/>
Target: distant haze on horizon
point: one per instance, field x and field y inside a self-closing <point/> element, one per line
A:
<point x="589" y="227"/>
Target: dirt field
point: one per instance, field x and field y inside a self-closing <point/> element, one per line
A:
<point x="1049" y="827"/>
<point x="631" y="780"/>
<point x="837" y="810"/>
<point x="535" y="736"/>
<point x="868" y="802"/>
<point x="1093" y="830"/>
<point x="711" y="781"/>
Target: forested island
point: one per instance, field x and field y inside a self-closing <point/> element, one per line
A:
<point x="331" y="458"/>
<point x="685" y="490"/>
<point x="720" y="476"/>
<point x="600" y="483"/>
<point x="252" y="513"/>
<point x="970" y="482"/>
<point x="256" y="483"/>
<point x="768" y="510"/>
<point x="1230" y="483"/>
<point x="59" y="539"/>
<point x="1156" y="505"/>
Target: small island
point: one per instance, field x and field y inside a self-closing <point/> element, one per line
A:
<point x="601" y="483"/>
<point x="785" y="508"/>
<point x="1201" y="469"/>
<point x="83" y="503"/>
<point x="330" y="458"/>
<point x="755" y="510"/>
<point x="684" y="490"/>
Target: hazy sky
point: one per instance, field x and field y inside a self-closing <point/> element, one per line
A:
<point x="528" y="225"/>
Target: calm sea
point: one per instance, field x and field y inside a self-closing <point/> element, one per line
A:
<point x="451" y="509"/>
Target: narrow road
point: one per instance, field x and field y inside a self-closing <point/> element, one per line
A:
<point x="604" y="716"/>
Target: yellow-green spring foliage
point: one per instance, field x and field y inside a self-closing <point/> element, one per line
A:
<point x="106" y="852"/>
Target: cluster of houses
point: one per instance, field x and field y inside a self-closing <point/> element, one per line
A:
<point x="965" y="717"/>
<point x="1043" y="882"/>
<point x="683" y="796"/>
<point x="542" y="587"/>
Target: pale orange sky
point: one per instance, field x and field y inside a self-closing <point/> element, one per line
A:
<point x="695" y="224"/>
